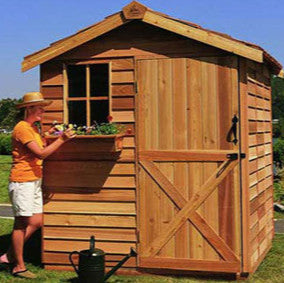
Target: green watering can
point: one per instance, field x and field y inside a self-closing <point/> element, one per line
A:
<point x="91" y="266"/>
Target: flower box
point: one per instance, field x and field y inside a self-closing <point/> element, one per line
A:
<point x="88" y="147"/>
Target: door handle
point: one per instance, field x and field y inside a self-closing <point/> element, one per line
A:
<point x="233" y="131"/>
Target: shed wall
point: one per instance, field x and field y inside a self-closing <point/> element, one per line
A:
<point x="257" y="167"/>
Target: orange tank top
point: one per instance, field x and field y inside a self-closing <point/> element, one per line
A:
<point x="26" y="166"/>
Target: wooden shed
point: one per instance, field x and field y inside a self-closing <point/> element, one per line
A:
<point x="192" y="188"/>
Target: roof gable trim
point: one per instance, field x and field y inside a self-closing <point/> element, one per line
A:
<point x="73" y="41"/>
<point x="204" y="36"/>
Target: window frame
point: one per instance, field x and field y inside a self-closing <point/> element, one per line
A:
<point x="88" y="98"/>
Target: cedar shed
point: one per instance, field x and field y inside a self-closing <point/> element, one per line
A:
<point x="192" y="187"/>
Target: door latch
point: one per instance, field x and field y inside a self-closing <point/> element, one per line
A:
<point x="233" y="131"/>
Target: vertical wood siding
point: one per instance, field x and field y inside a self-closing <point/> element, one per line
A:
<point x="188" y="104"/>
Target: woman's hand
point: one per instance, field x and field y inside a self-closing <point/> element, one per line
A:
<point x="68" y="134"/>
<point x="44" y="152"/>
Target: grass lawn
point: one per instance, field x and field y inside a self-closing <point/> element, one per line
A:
<point x="5" y="165"/>
<point x="270" y="271"/>
<point x="278" y="215"/>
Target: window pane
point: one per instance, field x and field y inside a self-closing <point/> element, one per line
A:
<point x="99" y="111"/>
<point x="76" y="81"/>
<point x="99" y="80"/>
<point x="77" y="112"/>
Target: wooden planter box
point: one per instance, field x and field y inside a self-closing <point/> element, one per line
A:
<point x="88" y="147"/>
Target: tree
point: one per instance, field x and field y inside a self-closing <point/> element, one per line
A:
<point x="277" y="85"/>
<point x="8" y="113"/>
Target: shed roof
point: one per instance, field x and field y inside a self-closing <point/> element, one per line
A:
<point x="137" y="11"/>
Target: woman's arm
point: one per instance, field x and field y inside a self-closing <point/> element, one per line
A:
<point x="44" y="152"/>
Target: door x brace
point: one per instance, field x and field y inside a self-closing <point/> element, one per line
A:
<point x="188" y="209"/>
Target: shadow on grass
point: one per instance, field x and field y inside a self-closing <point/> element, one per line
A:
<point x="32" y="249"/>
<point x="73" y="280"/>
<point x="4" y="243"/>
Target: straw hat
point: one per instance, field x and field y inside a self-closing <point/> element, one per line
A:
<point x="32" y="99"/>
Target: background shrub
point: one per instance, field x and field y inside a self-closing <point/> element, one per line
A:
<point x="5" y="144"/>
<point x="278" y="152"/>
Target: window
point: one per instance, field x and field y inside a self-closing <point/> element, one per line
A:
<point x="87" y="94"/>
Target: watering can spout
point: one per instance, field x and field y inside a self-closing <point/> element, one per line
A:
<point x="131" y="254"/>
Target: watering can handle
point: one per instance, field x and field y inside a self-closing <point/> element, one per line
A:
<point x="71" y="260"/>
<point x="92" y="244"/>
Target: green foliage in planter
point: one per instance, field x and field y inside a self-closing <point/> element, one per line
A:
<point x="96" y="129"/>
<point x="107" y="129"/>
<point x="5" y="144"/>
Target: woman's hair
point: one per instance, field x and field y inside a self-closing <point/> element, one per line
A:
<point x="20" y="115"/>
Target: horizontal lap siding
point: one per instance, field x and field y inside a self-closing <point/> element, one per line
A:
<point x="51" y="86"/>
<point x="260" y="162"/>
<point x="63" y="258"/>
<point x="86" y="197"/>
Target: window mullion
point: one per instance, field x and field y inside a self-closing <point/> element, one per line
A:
<point x="109" y="88"/>
<point x="88" y="94"/>
<point x="65" y="95"/>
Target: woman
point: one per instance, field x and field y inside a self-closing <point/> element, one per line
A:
<point x="25" y="178"/>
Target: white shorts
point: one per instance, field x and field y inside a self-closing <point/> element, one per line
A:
<point x="26" y="197"/>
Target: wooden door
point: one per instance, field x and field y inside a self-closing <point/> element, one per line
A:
<point x="188" y="173"/>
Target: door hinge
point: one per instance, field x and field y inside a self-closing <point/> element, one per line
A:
<point x="138" y="236"/>
<point x="235" y="156"/>
<point x="135" y="87"/>
<point x="232" y="156"/>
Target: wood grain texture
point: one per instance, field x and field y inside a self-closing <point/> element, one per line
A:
<point x="68" y="246"/>
<point x="169" y="145"/>
<point x="90" y="181"/>
<point x="89" y="220"/>
<point x="87" y="208"/>
<point x="51" y="74"/>
<point x="185" y="264"/>
<point x="122" y="89"/>
<point x="122" y="77"/>
<point x="89" y="194"/>
<point x="123" y="103"/>
<point x="194" y="202"/>
<point x="50" y="117"/>
<point x="56" y="105"/>
<point x="260" y="163"/>
<point x="186" y="155"/>
<point x="172" y="192"/>
<point x="52" y="92"/>
<point x="204" y="36"/>
<point x="83" y="233"/>
<point x="63" y="258"/>
<point x="122" y="64"/>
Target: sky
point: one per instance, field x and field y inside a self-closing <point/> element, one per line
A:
<point x="27" y="26"/>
